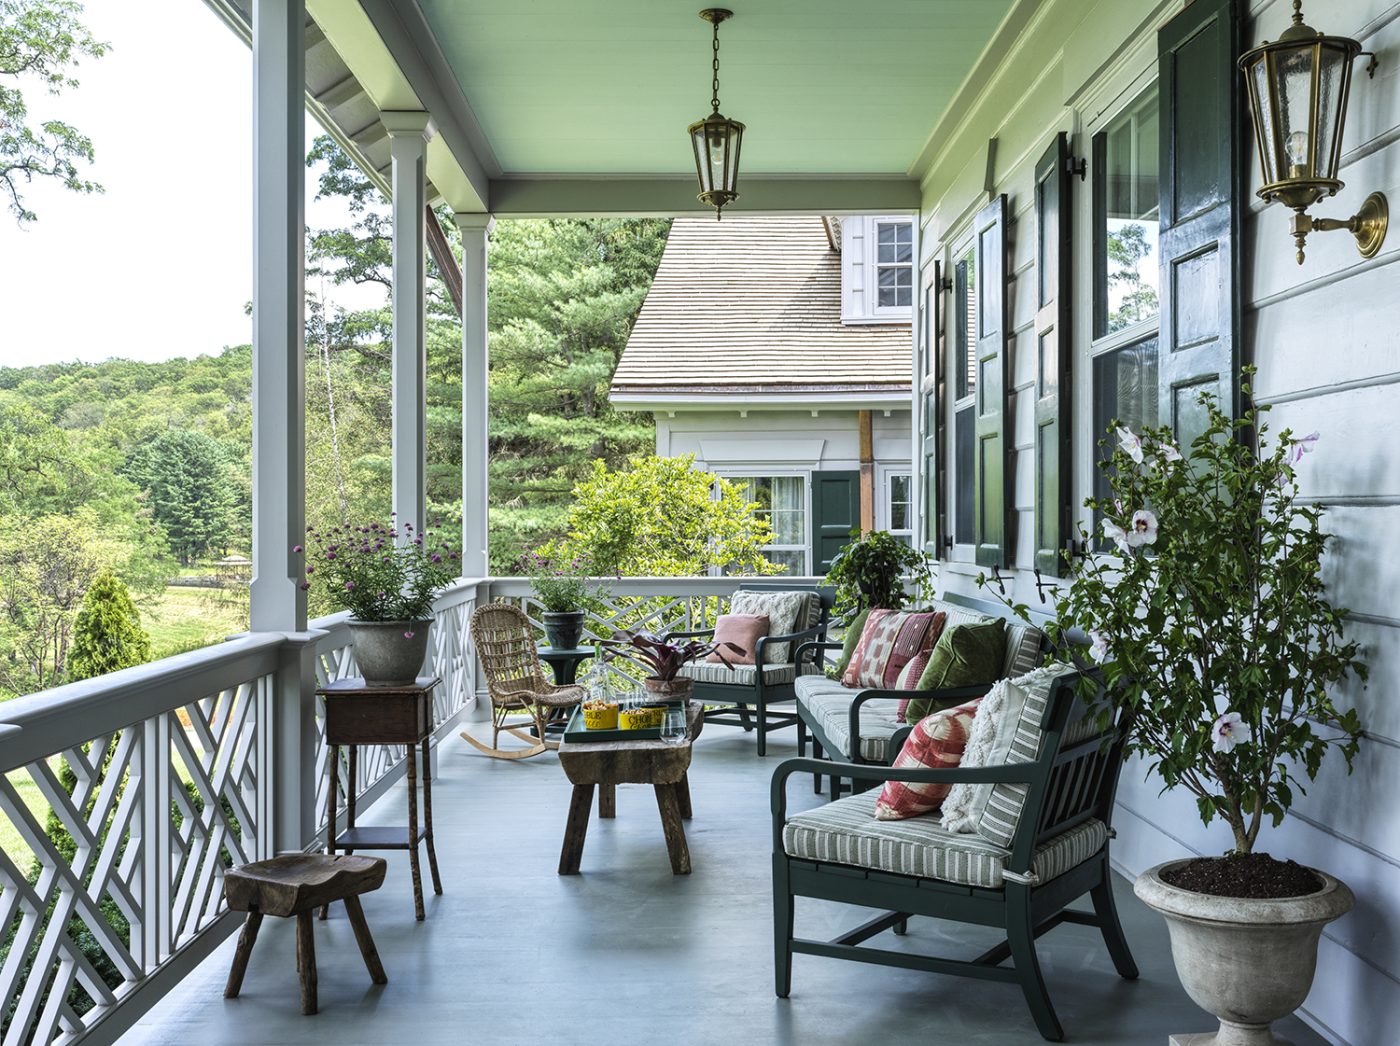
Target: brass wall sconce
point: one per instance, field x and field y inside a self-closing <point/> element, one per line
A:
<point x="1298" y="87"/>
<point x="716" y="139"/>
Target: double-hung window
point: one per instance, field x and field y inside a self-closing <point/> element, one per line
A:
<point x="963" y="380"/>
<point x="782" y="501"/>
<point x="1126" y="265"/>
<point x="898" y="508"/>
<point x="894" y="264"/>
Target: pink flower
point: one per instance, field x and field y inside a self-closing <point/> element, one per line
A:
<point x="408" y="635"/>
<point x="304" y="585"/>
<point x="1305" y="445"/>
<point x="296" y="548"/>
<point x="349" y="585"/>
<point x="311" y="570"/>
<point x="1230" y="730"/>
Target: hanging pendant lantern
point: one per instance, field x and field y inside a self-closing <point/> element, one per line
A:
<point x="716" y="139"/>
<point x="1298" y="88"/>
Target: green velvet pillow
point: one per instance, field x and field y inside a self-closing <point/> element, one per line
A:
<point x="848" y="645"/>
<point x="965" y="655"/>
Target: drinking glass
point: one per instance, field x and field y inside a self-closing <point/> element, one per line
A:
<point x="673" y="726"/>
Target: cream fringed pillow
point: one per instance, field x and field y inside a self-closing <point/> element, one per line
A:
<point x="986" y="746"/>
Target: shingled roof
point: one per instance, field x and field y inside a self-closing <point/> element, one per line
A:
<point x="753" y="305"/>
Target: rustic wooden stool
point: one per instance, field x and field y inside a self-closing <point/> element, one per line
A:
<point x="298" y="884"/>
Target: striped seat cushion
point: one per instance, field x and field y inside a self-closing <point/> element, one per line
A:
<point x="846" y="832"/>
<point x="739" y="675"/>
<point x="828" y="705"/>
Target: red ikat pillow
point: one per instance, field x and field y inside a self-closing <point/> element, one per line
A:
<point x="936" y="743"/>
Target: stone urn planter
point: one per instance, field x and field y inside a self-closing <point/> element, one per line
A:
<point x="389" y="653"/>
<point x="677" y="689"/>
<point x="1247" y="961"/>
<point x="563" y="628"/>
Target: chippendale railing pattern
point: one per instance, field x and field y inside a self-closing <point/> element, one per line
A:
<point x="653" y="604"/>
<point x="449" y="658"/>
<point x="129" y="801"/>
<point x="126" y="798"/>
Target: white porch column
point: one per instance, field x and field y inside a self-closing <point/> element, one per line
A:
<point x="476" y="230"/>
<point x="408" y="149"/>
<point x="279" y="410"/>
<point x="279" y="394"/>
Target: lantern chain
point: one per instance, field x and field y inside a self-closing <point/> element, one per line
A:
<point x="714" y="85"/>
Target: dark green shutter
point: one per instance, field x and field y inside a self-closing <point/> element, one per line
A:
<point x="1201" y="195"/>
<point x="1053" y="417"/>
<point x="835" y="513"/>
<point x="990" y="473"/>
<point x="935" y="406"/>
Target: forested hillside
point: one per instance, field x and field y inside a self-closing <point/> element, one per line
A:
<point x="144" y="468"/>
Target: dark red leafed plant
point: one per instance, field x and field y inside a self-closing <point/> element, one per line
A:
<point x="661" y="658"/>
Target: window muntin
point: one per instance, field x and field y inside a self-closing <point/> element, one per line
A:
<point x="894" y="265"/>
<point x="965" y="318"/>
<point x="1126" y="166"/>
<point x="782" y="500"/>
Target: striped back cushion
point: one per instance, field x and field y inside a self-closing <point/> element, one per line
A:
<point x="893" y="651"/>
<point x="1002" y="813"/>
<point x="1023" y="644"/>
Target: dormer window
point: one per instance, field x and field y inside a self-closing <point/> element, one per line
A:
<point x="877" y="269"/>
<point x="894" y="259"/>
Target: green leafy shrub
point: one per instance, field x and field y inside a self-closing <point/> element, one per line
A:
<point x="870" y="571"/>
<point x="107" y="634"/>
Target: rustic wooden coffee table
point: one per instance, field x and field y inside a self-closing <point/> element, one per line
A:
<point x="606" y="764"/>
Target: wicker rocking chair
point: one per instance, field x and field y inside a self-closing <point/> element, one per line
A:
<point x="516" y="682"/>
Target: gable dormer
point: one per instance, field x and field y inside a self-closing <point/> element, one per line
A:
<point x="877" y="268"/>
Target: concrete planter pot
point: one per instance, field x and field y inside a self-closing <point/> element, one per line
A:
<point x="563" y="628"/>
<point x="1249" y="962"/>
<point x="389" y="653"/>
<point x="678" y="689"/>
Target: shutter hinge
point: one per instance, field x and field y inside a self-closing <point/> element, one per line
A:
<point x="1079" y="167"/>
<point x="945" y="284"/>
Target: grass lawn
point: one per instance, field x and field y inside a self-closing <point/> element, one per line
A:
<point x="189" y="618"/>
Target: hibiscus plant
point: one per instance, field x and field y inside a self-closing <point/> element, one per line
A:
<point x="1207" y="610"/>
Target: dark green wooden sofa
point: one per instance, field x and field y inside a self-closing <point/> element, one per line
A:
<point x="730" y="694"/>
<point x="861" y="726"/>
<point x="1059" y="852"/>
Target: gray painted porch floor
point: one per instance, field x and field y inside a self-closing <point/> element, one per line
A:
<point x="513" y="953"/>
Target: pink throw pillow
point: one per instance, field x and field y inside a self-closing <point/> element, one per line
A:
<point x="936" y="743"/>
<point x="744" y="631"/>
<point x="894" y="650"/>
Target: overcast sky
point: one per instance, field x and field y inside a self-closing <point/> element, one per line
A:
<point x="159" y="265"/>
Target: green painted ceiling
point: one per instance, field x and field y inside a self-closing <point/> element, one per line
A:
<point x="608" y="86"/>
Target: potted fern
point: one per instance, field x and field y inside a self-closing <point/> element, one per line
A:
<point x="1207" y="611"/>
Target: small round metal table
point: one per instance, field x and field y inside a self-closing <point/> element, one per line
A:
<point x="564" y="663"/>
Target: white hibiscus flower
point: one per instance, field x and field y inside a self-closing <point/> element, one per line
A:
<point x="1230" y="730"/>
<point x="1117" y="535"/>
<point x="1305" y="445"/>
<point x="1130" y="444"/>
<point x="1098" y="646"/>
<point x="1143" y="529"/>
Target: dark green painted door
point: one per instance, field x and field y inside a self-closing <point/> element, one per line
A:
<point x="835" y="513"/>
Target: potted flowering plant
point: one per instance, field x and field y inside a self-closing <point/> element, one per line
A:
<point x="387" y="577"/>
<point x="562" y="588"/>
<point x="1208" y="614"/>
<point x="663" y="659"/>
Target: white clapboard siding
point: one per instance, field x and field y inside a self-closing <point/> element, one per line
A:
<point x="1326" y="339"/>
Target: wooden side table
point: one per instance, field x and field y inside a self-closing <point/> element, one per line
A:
<point x="603" y="765"/>
<point x="357" y="714"/>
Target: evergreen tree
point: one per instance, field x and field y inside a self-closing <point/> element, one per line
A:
<point x="107" y="634"/>
<point x="187" y="479"/>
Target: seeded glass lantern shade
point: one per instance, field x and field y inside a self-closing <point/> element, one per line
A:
<point x="716" y="141"/>
<point x="1298" y="87"/>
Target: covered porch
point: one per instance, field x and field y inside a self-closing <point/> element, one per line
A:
<point x="626" y="952"/>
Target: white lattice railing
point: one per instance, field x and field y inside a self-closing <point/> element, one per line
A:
<point x="653" y="604"/>
<point x="449" y="658"/>
<point x="129" y="794"/>
<point x="125" y="798"/>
